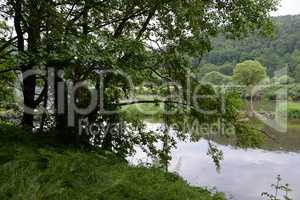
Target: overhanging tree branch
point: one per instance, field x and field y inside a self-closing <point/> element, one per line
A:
<point x="121" y="26"/>
<point x="146" y="23"/>
<point x="41" y="96"/>
<point x="151" y="101"/>
<point x="159" y="75"/>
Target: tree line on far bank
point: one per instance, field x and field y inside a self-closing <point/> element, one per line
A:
<point x="282" y="50"/>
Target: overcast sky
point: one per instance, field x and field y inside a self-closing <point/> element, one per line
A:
<point x="288" y="7"/>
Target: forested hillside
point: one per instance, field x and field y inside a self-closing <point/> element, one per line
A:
<point x="281" y="50"/>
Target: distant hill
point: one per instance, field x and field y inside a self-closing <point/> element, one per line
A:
<point x="283" y="50"/>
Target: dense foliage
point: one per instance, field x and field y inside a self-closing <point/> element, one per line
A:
<point x="72" y="42"/>
<point x="277" y="52"/>
<point x="109" y="48"/>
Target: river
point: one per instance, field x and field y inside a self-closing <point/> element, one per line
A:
<point x="245" y="173"/>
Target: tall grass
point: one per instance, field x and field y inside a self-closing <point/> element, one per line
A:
<point x="34" y="168"/>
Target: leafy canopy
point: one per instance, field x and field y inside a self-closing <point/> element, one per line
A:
<point x="147" y="40"/>
<point x="249" y="73"/>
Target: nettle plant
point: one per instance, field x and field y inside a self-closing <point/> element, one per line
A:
<point x="281" y="191"/>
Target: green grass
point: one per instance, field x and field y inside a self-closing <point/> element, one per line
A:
<point x="292" y="110"/>
<point x="35" y="168"/>
<point x="294" y="105"/>
<point x="147" y="111"/>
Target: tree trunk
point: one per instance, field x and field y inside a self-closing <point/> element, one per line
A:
<point x="28" y="93"/>
<point x="251" y="103"/>
<point x="29" y="83"/>
<point x="251" y="107"/>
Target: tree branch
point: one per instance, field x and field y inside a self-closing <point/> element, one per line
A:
<point x="71" y="10"/>
<point x="17" y="24"/>
<point x="41" y="96"/>
<point x="146" y="23"/>
<point x="151" y="101"/>
<point x="121" y="26"/>
<point x="158" y="74"/>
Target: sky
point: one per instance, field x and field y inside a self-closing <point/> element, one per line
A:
<point x="288" y="7"/>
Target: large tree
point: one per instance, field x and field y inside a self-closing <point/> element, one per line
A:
<point x="249" y="73"/>
<point x="148" y="40"/>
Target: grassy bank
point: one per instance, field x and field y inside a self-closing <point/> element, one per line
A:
<point x="148" y="111"/>
<point x="35" y="168"/>
<point x="293" y="110"/>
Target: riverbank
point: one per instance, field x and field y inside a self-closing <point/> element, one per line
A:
<point x="37" y="168"/>
<point x="293" y="110"/>
<point x="154" y="112"/>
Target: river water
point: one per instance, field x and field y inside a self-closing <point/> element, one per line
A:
<point x="244" y="174"/>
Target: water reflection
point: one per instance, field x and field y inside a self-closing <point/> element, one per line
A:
<point x="245" y="174"/>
